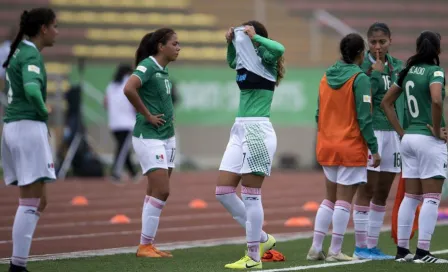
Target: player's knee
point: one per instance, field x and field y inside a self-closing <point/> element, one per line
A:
<point x="161" y="194"/>
<point x="42" y="204"/>
<point x="381" y="195"/>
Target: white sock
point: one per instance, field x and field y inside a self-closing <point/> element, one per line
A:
<point x="25" y="223"/>
<point x="406" y="215"/>
<point x="361" y="222"/>
<point x="255" y="217"/>
<point x="235" y="206"/>
<point x="376" y="219"/>
<point x="152" y="208"/>
<point x="341" y="216"/>
<point x="322" y="223"/>
<point x="427" y="220"/>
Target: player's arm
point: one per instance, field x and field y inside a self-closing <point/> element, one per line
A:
<point x="231" y="55"/>
<point x="387" y="104"/>
<point x="436" y="82"/>
<point x="33" y="80"/>
<point x="274" y="50"/>
<point x="140" y="76"/>
<point x="363" y="101"/>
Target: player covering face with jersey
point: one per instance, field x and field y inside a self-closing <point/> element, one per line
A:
<point x="25" y="148"/>
<point x="249" y="154"/>
<point x="149" y="91"/>
<point x="423" y="145"/>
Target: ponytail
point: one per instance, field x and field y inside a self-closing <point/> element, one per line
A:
<point x="18" y="39"/>
<point x="149" y="45"/>
<point x="428" y="49"/>
<point x="280" y="70"/>
<point x="31" y="23"/>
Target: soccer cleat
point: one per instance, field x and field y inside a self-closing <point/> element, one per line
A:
<point x="361" y="253"/>
<point x="16" y="268"/>
<point x="340" y="257"/>
<point x="314" y="255"/>
<point x="164" y="253"/>
<point x="403" y="255"/>
<point x="148" y="251"/>
<point x="377" y="254"/>
<point x="245" y="263"/>
<point x="268" y="245"/>
<point x="423" y="256"/>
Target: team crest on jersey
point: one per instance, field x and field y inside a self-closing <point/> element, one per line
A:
<point x="34" y="69"/>
<point x="159" y="158"/>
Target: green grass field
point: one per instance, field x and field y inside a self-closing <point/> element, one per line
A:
<point x="214" y="258"/>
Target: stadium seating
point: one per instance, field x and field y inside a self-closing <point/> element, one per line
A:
<point x="406" y="19"/>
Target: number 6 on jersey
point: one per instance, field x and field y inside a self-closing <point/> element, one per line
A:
<point x="413" y="109"/>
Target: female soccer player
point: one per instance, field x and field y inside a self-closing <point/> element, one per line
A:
<point x="423" y="145"/>
<point x="149" y="91"/>
<point x="253" y="141"/>
<point x="344" y="135"/>
<point x="26" y="151"/>
<point x="370" y="201"/>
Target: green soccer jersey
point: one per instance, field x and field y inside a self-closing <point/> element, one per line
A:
<point x="155" y="93"/>
<point x="25" y="67"/>
<point x="416" y="88"/>
<point x="381" y="83"/>
<point x="257" y="103"/>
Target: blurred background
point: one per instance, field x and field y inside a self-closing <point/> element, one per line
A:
<point x="96" y="36"/>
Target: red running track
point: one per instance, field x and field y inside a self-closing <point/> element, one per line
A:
<point x="66" y="228"/>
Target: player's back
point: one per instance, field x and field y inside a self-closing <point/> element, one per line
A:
<point x="416" y="85"/>
<point x="26" y="67"/>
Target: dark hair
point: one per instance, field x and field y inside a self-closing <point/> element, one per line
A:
<point x="351" y="46"/>
<point x="122" y="71"/>
<point x="428" y="50"/>
<point x="261" y="30"/>
<point x="149" y="45"/>
<point x="30" y="24"/>
<point x="379" y="27"/>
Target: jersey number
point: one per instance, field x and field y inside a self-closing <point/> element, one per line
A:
<point x="168" y="86"/>
<point x="412" y="101"/>
<point x="9" y="89"/>
<point x="386" y="80"/>
<point x="397" y="159"/>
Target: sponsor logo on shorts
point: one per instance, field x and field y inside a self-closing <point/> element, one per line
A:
<point x="159" y="158"/>
<point x="50" y="165"/>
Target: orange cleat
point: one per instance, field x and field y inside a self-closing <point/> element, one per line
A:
<point x="148" y="251"/>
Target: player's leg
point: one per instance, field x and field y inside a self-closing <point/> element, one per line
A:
<point x="30" y="151"/>
<point x="390" y="165"/>
<point x="230" y="176"/>
<point x="433" y="161"/>
<point x="259" y="149"/>
<point x="154" y="162"/>
<point x="411" y="200"/>
<point x="361" y="209"/>
<point x="348" y="179"/>
<point x="324" y="215"/>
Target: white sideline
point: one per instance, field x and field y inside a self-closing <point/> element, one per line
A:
<point x="201" y="243"/>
